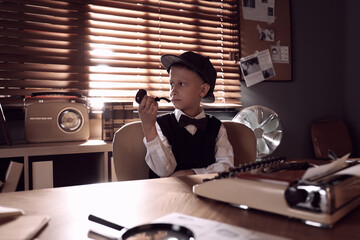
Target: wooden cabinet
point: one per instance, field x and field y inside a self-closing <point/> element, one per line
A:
<point x="69" y="158"/>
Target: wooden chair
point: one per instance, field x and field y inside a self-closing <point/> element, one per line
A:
<point x="330" y="134"/>
<point x="243" y="141"/>
<point x="129" y="150"/>
<point x="129" y="153"/>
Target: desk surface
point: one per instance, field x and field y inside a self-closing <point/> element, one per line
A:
<point x="133" y="203"/>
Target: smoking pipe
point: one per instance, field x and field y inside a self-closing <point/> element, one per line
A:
<point x="142" y="93"/>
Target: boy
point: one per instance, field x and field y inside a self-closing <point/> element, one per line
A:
<point x="177" y="148"/>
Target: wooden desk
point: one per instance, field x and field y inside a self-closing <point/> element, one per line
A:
<point x="137" y="202"/>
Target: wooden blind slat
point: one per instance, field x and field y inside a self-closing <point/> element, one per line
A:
<point x="39" y="67"/>
<point x="196" y="12"/>
<point x="109" y="49"/>
<point x="45" y="84"/>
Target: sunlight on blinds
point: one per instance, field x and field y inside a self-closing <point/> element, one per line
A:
<point x="108" y="49"/>
<point x="127" y="39"/>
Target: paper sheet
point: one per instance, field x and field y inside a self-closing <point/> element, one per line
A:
<point x="23" y="228"/>
<point x="259" y="10"/>
<point x="354" y="170"/>
<point x="279" y="54"/>
<point x="10" y="212"/>
<point x="205" y="229"/>
<point x="323" y="170"/>
<point x="257" y="67"/>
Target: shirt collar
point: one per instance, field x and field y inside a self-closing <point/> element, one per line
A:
<point x="178" y="114"/>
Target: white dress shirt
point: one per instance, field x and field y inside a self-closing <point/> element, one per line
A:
<point x="161" y="160"/>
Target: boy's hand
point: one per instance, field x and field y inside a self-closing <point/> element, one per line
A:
<point x="148" y="112"/>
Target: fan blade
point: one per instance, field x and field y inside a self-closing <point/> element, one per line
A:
<point x="270" y="126"/>
<point x="251" y="118"/>
<point x="262" y="147"/>
<point x="265" y="124"/>
<point x="273" y="138"/>
<point x="247" y="124"/>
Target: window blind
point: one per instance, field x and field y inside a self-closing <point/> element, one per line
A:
<point x="108" y="49"/>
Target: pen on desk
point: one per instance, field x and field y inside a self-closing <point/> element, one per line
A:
<point x="104" y="222"/>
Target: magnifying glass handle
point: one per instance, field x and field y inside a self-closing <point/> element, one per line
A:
<point x="104" y="222"/>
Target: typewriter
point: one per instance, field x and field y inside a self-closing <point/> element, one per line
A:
<point x="316" y="193"/>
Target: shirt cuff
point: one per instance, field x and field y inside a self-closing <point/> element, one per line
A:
<point x="199" y="170"/>
<point x="152" y="143"/>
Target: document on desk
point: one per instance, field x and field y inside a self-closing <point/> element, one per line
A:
<point x="6" y="212"/>
<point x="205" y="229"/>
<point x="23" y="227"/>
<point x="325" y="169"/>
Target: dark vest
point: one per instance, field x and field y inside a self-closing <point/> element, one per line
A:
<point x="190" y="151"/>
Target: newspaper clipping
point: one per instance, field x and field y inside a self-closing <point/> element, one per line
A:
<point x="257" y="67"/>
<point x="259" y="10"/>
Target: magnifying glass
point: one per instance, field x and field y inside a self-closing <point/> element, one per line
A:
<point x="142" y="93"/>
<point x="153" y="231"/>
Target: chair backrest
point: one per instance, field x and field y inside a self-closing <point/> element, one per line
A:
<point x="243" y="141"/>
<point x="129" y="153"/>
<point x="129" y="150"/>
<point x="330" y="134"/>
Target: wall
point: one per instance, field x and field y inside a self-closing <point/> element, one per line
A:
<point x="352" y="48"/>
<point x="320" y="56"/>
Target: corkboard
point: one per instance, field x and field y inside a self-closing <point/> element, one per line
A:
<point x="250" y="36"/>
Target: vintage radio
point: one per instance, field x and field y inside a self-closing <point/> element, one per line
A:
<point x="285" y="188"/>
<point x="56" y="117"/>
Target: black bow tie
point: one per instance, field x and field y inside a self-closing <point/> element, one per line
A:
<point x="199" y="123"/>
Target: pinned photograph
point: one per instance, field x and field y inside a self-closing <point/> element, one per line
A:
<point x="249" y="3"/>
<point x="268" y="73"/>
<point x="250" y="66"/>
<point x="266" y="34"/>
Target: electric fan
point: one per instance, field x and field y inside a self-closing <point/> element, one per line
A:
<point x="266" y="126"/>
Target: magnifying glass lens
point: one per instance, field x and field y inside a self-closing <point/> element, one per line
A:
<point x="159" y="232"/>
<point x="158" y="235"/>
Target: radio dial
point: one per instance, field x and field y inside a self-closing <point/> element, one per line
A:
<point x="70" y="120"/>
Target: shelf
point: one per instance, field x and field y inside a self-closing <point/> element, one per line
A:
<point x="29" y="151"/>
<point x="41" y="149"/>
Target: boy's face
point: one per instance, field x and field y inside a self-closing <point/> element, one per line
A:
<point x="186" y="89"/>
